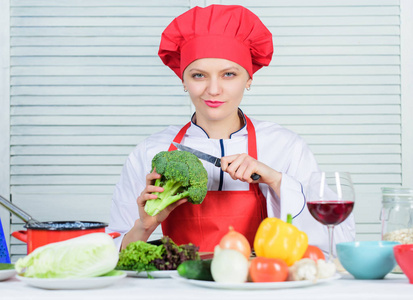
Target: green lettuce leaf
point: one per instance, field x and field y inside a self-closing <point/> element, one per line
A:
<point x="139" y="256"/>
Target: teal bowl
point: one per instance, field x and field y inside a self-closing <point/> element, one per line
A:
<point x="367" y="259"/>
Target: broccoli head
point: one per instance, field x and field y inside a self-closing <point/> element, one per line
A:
<point x="182" y="176"/>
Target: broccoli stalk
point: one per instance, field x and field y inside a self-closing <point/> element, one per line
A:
<point x="182" y="176"/>
<point x="170" y="195"/>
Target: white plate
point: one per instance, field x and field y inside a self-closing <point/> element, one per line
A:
<point x="254" y="285"/>
<point x="6" y="274"/>
<point x="72" y="284"/>
<point x="154" y="274"/>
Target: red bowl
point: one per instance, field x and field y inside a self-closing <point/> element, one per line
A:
<point x="404" y="257"/>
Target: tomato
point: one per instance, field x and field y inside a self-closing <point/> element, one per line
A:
<point x="314" y="253"/>
<point x="264" y="269"/>
<point x="236" y="241"/>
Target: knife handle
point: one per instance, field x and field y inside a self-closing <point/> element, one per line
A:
<point x="255" y="176"/>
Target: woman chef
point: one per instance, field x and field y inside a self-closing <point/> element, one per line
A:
<point x="215" y="51"/>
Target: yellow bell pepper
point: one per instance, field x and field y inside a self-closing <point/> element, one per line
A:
<point x="278" y="239"/>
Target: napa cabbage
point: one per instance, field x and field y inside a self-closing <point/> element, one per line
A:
<point x="89" y="255"/>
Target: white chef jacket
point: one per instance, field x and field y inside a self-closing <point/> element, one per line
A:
<point x="277" y="147"/>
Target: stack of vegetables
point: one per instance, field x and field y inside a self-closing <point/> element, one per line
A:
<point x="282" y="253"/>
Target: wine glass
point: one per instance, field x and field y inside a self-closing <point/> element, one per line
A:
<point x="330" y="200"/>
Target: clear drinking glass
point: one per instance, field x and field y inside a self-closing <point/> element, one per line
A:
<point x="330" y="200"/>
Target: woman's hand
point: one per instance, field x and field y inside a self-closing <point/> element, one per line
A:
<point x="242" y="166"/>
<point x="146" y="224"/>
<point x="147" y="194"/>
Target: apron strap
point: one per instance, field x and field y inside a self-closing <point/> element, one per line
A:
<point x="178" y="138"/>
<point x="252" y="140"/>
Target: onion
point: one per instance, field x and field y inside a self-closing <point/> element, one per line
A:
<point x="236" y="241"/>
<point x="229" y="266"/>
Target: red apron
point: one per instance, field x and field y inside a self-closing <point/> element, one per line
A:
<point x="205" y="224"/>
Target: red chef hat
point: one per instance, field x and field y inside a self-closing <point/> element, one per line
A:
<point x="217" y="31"/>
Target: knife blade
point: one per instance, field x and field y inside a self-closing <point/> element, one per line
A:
<point x="201" y="155"/>
<point x="216" y="161"/>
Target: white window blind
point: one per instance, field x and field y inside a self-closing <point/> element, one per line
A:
<point x="87" y="86"/>
<point x="335" y="80"/>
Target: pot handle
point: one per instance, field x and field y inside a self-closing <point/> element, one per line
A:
<point x="114" y="235"/>
<point x="20" y="235"/>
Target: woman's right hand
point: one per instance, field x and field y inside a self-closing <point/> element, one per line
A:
<point x="146" y="224"/>
<point x="147" y="194"/>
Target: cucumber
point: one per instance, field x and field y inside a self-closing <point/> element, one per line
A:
<point x="196" y="269"/>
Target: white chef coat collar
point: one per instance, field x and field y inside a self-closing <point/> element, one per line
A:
<point x="196" y="130"/>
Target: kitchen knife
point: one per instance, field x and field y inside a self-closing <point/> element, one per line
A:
<point x="216" y="161"/>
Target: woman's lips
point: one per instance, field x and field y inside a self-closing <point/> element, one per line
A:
<point x="213" y="103"/>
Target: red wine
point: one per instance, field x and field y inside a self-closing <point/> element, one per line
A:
<point x="330" y="212"/>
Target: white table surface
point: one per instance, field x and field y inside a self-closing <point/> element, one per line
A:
<point x="394" y="286"/>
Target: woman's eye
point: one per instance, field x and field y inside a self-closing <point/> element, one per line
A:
<point x="197" y="75"/>
<point x="229" y="74"/>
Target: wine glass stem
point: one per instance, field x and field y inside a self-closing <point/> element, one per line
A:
<point x="330" y="242"/>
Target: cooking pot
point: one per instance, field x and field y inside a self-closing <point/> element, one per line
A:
<point x="36" y="236"/>
<point x="42" y="233"/>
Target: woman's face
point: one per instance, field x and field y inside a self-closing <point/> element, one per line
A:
<point x="216" y="87"/>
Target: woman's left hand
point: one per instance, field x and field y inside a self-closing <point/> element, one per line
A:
<point x="242" y="166"/>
